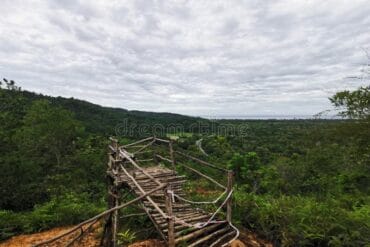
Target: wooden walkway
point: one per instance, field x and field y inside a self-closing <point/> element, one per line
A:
<point x="178" y="220"/>
<point x="143" y="169"/>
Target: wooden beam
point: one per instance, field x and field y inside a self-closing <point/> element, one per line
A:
<point x="230" y="180"/>
<point x="172" y="156"/>
<point x="162" y="140"/>
<point x="137" y="142"/>
<point x="201" y="161"/>
<point x="205" y="176"/>
<point x="164" y="158"/>
<point x="144" y="147"/>
<point x="143" y="192"/>
<point x="170" y="219"/>
<point x="125" y="155"/>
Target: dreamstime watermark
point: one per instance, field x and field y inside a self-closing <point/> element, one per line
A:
<point x="129" y="129"/>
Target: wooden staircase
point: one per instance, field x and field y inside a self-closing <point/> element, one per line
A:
<point x="160" y="193"/>
<point x="179" y="222"/>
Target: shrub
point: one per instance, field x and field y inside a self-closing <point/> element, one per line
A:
<point x="303" y="221"/>
<point x="66" y="210"/>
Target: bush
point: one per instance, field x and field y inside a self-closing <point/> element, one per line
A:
<point x="66" y="210"/>
<point x="304" y="221"/>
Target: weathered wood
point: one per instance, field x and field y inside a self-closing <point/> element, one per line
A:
<point x="161" y="140"/>
<point x="164" y="158"/>
<point x="225" y="236"/>
<point x="201" y="161"/>
<point x="172" y="156"/>
<point x="144" y="152"/>
<point x="197" y="233"/>
<point x="230" y="178"/>
<point x="174" y="219"/>
<point x="108" y="227"/>
<point x="114" y="191"/>
<point x="203" y="175"/>
<point x="115" y="220"/>
<point x="137" y="142"/>
<point x="170" y="219"/>
<point x="189" y="219"/>
<point x="143" y="192"/>
<point x="109" y="211"/>
<point x="83" y="232"/>
<point x="144" y="147"/>
<point x="154" y="223"/>
<point x="125" y="155"/>
<point x="208" y="237"/>
<point x="163" y="179"/>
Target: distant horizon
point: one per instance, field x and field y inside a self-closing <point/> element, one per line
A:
<point x="270" y="117"/>
<point x="275" y="116"/>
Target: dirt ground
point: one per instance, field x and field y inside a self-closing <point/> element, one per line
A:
<point x="249" y="239"/>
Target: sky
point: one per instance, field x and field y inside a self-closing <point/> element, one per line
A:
<point x="203" y="58"/>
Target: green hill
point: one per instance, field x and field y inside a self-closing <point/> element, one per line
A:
<point x="104" y="120"/>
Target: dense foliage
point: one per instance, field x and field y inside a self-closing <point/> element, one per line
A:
<point x="298" y="182"/>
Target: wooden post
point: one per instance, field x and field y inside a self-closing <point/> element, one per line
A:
<point x="115" y="217"/>
<point x="111" y="225"/>
<point x="170" y="220"/>
<point x="114" y="190"/>
<point x="230" y="178"/>
<point x="172" y="156"/>
<point x="107" y="239"/>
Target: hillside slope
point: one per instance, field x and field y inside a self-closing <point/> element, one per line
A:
<point x="105" y="120"/>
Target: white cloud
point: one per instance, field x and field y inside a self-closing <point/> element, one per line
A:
<point x="191" y="57"/>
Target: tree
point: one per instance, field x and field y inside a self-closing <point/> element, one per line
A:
<point x="10" y="85"/>
<point x="49" y="132"/>
<point x="46" y="142"/>
<point x="247" y="169"/>
<point x="355" y="104"/>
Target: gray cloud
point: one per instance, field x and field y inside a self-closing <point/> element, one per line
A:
<point x="192" y="57"/>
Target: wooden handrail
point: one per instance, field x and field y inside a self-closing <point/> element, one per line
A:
<point x="161" y="140"/>
<point x="126" y="156"/>
<point x="203" y="175"/>
<point x="144" y="147"/>
<point x="202" y="161"/>
<point x="164" y="158"/>
<point x="137" y="142"/>
<point x="102" y="215"/>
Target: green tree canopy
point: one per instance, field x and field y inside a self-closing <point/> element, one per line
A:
<point x="353" y="104"/>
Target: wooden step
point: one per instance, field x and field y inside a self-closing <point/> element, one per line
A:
<point x="223" y="239"/>
<point x="190" y="220"/>
<point x="209" y="236"/>
<point x="197" y="233"/>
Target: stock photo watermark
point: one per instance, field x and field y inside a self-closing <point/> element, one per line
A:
<point x="128" y="129"/>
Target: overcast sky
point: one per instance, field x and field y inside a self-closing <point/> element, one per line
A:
<point x="207" y="58"/>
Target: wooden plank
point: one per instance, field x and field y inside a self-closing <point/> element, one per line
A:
<point x="208" y="237"/>
<point x="225" y="236"/>
<point x="196" y="233"/>
<point x="125" y="155"/>
<point x="143" y="192"/>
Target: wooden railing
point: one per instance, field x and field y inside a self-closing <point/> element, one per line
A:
<point x="119" y="162"/>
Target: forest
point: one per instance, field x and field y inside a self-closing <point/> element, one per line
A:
<point x="297" y="182"/>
